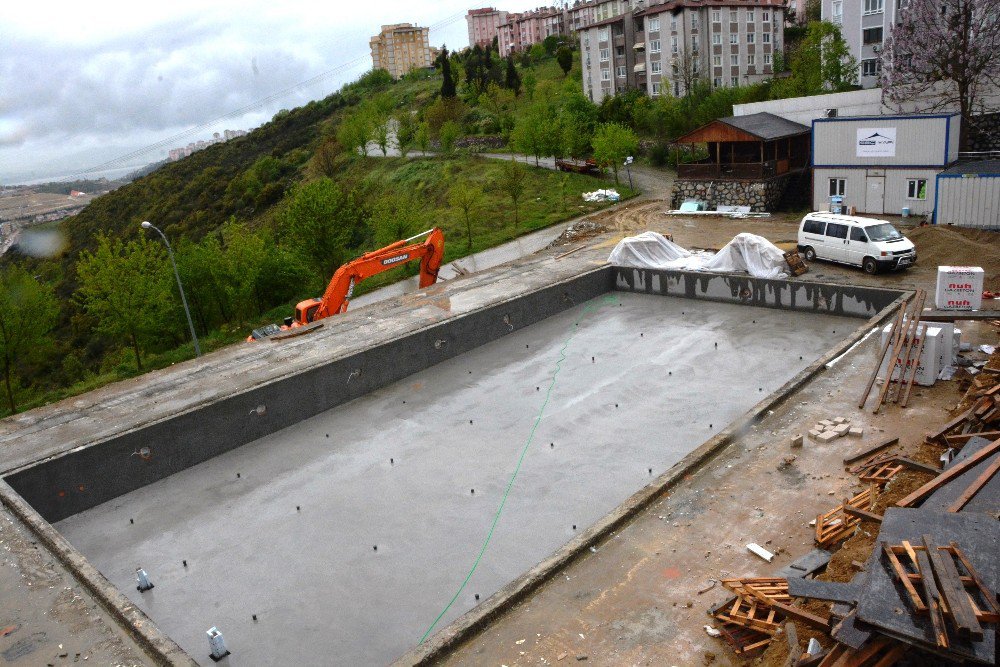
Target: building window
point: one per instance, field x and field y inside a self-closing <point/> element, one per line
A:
<point x="654" y="46"/>
<point x="673" y="23"/>
<point x="654" y="24"/>
<point x="605" y="55"/>
<point x="620" y="51"/>
<point x="716" y="16"/>
<point x="733" y="16"/>
<point x="871" y="67"/>
<point x="695" y="65"/>
<point x="750" y="14"/>
<point x="656" y="88"/>
<point x="765" y="16"/>
<point x="734" y="38"/>
<point x="837" y="13"/>
<point x="872" y="35"/>
<point x="603" y="35"/>
<point x="751" y="60"/>
<point x="765" y="37"/>
<point x="677" y="89"/>
<point x="655" y="67"/>
<point x="767" y="58"/>
<point x="621" y="72"/>
<point x="673" y="45"/>
<point x="694" y="43"/>
<point x="605" y="75"/>
<point x="750" y="38"/>
<point x="717" y="61"/>
<point x="694" y="22"/>
<point x="734" y="60"/>
<point x="837" y="187"/>
<point x="916" y="188"/>
<point x="717" y="82"/>
<point x="734" y="81"/>
<point x="873" y="6"/>
<point x="716" y="38"/>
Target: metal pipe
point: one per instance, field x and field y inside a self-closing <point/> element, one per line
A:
<point x="170" y="251"/>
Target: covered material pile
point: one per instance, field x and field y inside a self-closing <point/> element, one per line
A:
<point x="746" y="253"/>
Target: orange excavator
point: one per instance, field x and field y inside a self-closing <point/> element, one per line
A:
<point x="338" y="293"/>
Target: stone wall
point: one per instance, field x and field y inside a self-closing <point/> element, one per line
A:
<point x="758" y="195"/>
<point x="984" y="132"/>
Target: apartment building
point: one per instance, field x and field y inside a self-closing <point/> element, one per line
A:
<point x="400" y="48"/>
<point x="483" y="25"/>
<point x="525" y="29"/>
<point x="665" y="48"/>
<point x="865" y="25"/>
<point x="585" y="12"/>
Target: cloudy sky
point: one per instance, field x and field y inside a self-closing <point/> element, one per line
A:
<point x="85" y="84"/>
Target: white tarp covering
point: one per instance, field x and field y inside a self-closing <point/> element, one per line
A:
<point x="746" y="253"/>
<point x="602" y="195"/>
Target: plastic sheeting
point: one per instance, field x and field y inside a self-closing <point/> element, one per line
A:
<point x="746" y="253"/>
<point x="602" y="195"/>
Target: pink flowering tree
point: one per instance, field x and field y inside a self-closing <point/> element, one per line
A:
<point x="944" y="55"/>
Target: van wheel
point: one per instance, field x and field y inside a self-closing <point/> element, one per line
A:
<point x="870" y="266"/>
<point x="809" y="254"/>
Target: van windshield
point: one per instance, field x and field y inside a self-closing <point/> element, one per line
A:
<point x="883" y="232"/>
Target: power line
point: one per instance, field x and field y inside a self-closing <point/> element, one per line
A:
<point x="249" y="108"/>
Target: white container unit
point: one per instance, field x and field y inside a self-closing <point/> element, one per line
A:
<point x="928" y="365"/>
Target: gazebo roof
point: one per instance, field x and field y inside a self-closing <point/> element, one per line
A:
<point x="753" y="127"/>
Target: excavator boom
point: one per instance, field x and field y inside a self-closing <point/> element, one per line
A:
<point x="338" y="293"/>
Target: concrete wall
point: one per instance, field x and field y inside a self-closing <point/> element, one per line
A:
<point x="100" y="471"/>
<point x="893" y="183"/>
<point x="807" y="109"/>
<point x="829" y="299"/>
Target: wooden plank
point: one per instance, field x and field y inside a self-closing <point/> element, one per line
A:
<point x="885" y="348"/>
<point x="976" y="485"/>
<point x="900" y="575"/>
<point x="916" y="465"/>
<point x="861" y="514"/>
<point x="989" y="595"/>
<point x="892" y="657"/>
<point x="963" y="617"/>
<point x="888" y="442"/>
<point x="961" y="439"/>
<point x="949" y="475"/>
<point x="916" y="362"/>
<point x="913" y="331"/>
<point x="800" y="614"/>
<point x="933" y="600"/>
<point x="907" y="338"/>
<point x="936" y="437"/>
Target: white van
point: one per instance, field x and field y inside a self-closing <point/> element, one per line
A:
<point x="866" y="242"/>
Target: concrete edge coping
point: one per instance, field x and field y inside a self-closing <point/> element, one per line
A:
<point x="159" y="646"/>
<point x="475" y="620"/>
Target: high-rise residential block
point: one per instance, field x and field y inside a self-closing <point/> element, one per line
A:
<point x="865" y="25"/>
<point x="664" y="49"/>
<point x="483" y="24"/>
<point x="401" y="47"/>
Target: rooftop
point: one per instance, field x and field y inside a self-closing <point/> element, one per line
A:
<point x="978" y="167"/>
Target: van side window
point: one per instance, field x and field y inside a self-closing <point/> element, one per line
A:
<point x="858" y="234"/>
<point x="813" y="226"/>
<point x="837" y="231"/>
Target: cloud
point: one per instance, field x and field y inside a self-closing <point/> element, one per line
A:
<point x="122" y="78"/>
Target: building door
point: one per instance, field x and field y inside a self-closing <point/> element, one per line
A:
<point x="875" y="194"/>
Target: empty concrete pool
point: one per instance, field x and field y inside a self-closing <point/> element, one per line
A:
<point x="348" y="533"/>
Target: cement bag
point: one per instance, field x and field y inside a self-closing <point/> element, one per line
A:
<point x="752" y="254"/>
<point x="648" y="250"/>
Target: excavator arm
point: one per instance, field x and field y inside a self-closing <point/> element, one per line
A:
<point x="338" y="293"/>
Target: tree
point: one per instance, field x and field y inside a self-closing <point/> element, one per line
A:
<point x="323" y="223"/>
<point x="406" y="131"/>
<point x="512" y="181"/>
<point x="530" y="83"/>
<point x="512" y="80"/>
<point x="467" y="199"/>
<point x="325" y="159"/>
<point x="537" y="131"/>
<point x="612" y="144"/>
<point x="577" y="121"/>
<point x="396" y="215"/>
<point x="564" y="56"/>
<point x="423" y="138"/>
<point x="686" y="71"/>
<point x="945" y="55"/>
<point x="355" y="131"/>
<point x="442" y="111"/>
<point x="499" y="103"/>
<point x="449" y="134"/>
<point x="821" y="63"/>
<point x="28" y="311"/>
<point x="448" y="89"/>
<point x="382" y="132"/>
<point x="125" y="286"/>
<point x="550" y="44"/>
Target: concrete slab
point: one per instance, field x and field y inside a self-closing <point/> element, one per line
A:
<point x="621" y="406"/>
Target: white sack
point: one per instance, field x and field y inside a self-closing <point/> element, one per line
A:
<point x="751" y="254"/>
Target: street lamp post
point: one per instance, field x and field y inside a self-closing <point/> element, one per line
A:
<point x="628" y="161"/>
<point x="170" y="251"/>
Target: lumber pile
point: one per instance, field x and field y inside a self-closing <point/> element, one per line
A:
<point x="906" y="343"/>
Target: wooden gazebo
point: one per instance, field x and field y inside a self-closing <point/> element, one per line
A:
<point x="752" y="147"/>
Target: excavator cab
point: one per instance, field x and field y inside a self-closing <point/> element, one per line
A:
<point x="305" y="312"/>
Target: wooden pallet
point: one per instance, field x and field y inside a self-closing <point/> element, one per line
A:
<point x="744" y="641"/>
<point x="837" y="525"/>
<point x="942" y="584"/>
<point x="879" y="652"/>
<point x="795" y="263"/>
<point x="881" y="473"/>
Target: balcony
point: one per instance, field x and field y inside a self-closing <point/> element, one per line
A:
<point x="708" y="170"/>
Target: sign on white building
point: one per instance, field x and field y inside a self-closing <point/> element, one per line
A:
<point x="876" y="142"/>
